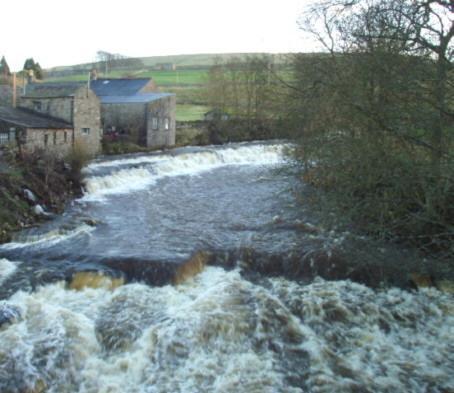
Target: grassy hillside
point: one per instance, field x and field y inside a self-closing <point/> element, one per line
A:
<point x="182" y="61"/>
<point x="187" y="81"/>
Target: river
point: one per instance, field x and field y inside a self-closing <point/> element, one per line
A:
<point x="139" y="320"/>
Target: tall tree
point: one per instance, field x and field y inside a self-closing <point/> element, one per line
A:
<point x="377" y="110"/>
<point x="4" y="68"/>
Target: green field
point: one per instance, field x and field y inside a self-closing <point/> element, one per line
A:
<point x="162" y="78"/>
<point x="187" y="112"/>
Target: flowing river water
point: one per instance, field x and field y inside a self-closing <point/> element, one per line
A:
<point x="113" y="296"/>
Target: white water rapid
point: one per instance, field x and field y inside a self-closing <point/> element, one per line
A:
<point x="126" y="292"/>
<point x="143" y="172"/>
<point x="221" y="333"/>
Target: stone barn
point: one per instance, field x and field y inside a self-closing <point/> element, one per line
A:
<point x="35" y="132"/>
<point x="73" y="103"/>
<point x="135" y="108"/>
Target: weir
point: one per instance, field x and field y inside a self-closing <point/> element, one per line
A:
<point x="196" y="270"/>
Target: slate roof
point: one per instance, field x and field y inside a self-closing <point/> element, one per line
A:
<point x="49" y="89"/>
<point x="28" y="119"/>
<point x="118" y="87"/>
<point x="134" y="99"/>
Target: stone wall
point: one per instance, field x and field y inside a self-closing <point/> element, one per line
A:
<point x="129" y="118"/>
<point x="151" y="124"/>
<point x="58" y="141"/>
<point x="59" y="107"/>
<point x="192" y="133"/>
<point x="87" y="120"/>
<point x="161" y="123"/>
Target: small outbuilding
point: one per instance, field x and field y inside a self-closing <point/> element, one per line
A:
<point x="35" y="131"/>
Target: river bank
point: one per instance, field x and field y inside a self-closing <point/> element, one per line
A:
<point x="32" y="190"/>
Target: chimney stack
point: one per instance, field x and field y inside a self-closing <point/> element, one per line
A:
<point x="30" y="76"/>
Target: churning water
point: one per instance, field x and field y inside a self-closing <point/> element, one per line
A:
<point x="216" y="331"/>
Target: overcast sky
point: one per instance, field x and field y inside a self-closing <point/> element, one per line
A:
<point x="61" y="32"/>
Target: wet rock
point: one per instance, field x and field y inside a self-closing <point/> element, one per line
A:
<point x="445" y="286"/>
<point x="38" y="210"/>
<point x="421" y="280"/>
<point x="8" y="315"/>
<point x="90" y="222"/>
<point x="30" y="196"/>
<point x="94" y="279"/>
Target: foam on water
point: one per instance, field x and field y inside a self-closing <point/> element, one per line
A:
<point x="48" y="239"/>
<point x="157" y="167"/>
<point x="221" y="333"/>
<point x="121" y="162"/>
<point x="6" y="269"/>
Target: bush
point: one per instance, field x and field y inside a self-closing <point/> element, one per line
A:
<point x="386" y="189"/>
<point x="77" y="159"/>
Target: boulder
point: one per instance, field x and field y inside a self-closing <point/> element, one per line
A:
<point x="30" y="196"/>
<point x="38" y="210"/>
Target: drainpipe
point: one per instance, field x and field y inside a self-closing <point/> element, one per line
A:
<point x="14" y="89"/>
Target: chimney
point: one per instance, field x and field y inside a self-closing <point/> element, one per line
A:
<point x="30" y="76"/>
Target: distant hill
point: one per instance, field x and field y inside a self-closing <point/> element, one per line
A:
<point x="180" y="61"/>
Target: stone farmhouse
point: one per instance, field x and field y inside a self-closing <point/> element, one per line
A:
<point x="54" y="117"/>
<point x="134" y="107"/>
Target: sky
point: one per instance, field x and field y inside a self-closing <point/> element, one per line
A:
<point x="62" y="32"/>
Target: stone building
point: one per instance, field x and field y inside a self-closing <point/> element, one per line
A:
<point x="73" y="103"/>
<point x="35" y="132"/>
<point x="135" y="108"/>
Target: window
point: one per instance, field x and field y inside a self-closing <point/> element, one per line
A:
<point x="12" y="134"/>
<point x="85" y="131"/>
<point x="55" y="137"/>
<point x="65" y="137"/>
<point x="37" y="105"/>
<point x="46" y="139"/>
<point x="166" y="123"/>
<point x="154" y="123"/>
<point x="4" y="138"/>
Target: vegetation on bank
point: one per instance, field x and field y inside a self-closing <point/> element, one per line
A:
<point x="34" y="180"/>
<point x="373" y="118"/>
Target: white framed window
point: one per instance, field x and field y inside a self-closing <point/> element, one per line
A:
<point x="4" y="138"/>
<point x="166" y="123"/>
<point x="154" y="123"/>
<point x="85" y="131"/>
